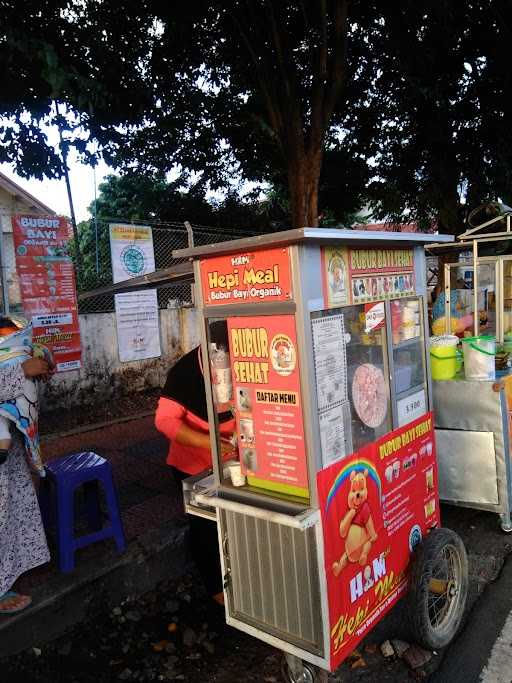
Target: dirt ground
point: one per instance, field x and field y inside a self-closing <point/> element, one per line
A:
<point x="173" y="633"/>
<point x="59" y="421"/>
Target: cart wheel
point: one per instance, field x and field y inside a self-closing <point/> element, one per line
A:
<point x="438" y="588"/>
<point x="307" y="673"/>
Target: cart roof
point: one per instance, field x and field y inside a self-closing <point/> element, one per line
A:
<point x="359" y="238"/>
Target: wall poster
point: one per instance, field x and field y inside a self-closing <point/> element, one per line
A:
<point x="376" y="506"/>
<point x="47" y="284"/>
<point x="137" y="317"/>
<point x="266" y="385"/>
<point x="131" y="249"/>
<point x="138" y="326"/>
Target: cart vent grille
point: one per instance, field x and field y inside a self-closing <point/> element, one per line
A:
<point x="274" y="579"/>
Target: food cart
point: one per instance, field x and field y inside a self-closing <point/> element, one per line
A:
<point x="334" y="483"/>
<point x="472" y="416"/>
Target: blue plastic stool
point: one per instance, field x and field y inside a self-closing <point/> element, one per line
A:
<point x="56" y="500"/>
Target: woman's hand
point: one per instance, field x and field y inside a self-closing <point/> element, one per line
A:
<point x="35" y="367"/>
<point x="226" y="447"/>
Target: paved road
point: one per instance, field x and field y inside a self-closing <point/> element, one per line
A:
<point x="499" y="667"/>
<point x="483" y="651"/>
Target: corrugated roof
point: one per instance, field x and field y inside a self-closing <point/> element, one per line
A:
<point x="16" y="191"/>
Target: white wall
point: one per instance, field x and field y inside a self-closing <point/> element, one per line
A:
<point x="102" y="376"/>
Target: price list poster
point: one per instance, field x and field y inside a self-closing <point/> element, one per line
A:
<point x="47" y="283"/>
<point x="266" y="382"/>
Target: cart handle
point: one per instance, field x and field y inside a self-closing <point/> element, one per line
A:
<point x="303" y="521"/>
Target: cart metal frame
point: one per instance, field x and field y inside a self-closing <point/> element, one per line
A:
<point x="472" y="417"/>
<point x="259" y="531"/>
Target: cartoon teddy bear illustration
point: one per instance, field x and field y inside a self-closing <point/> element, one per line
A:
<point x="357" y="526"/>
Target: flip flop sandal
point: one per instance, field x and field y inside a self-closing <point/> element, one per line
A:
<point x="10" y="595"/>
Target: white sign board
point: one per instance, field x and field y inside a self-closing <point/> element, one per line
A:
<point x="138" y="329"/>
<point x="131" y="247"/>
<point x="411" y="407"/>
<point x="329" y="342"/>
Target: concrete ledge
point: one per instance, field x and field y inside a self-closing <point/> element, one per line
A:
<point x="100" y="581"/>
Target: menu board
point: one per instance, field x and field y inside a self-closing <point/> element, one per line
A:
<point x="266" y="385"/>
<point x="247" y="277"/>
<point x="376" y="506"/>
<point x="47" y="284"/>
<point x="329" y="350"/>
<point x="361" y="276"/>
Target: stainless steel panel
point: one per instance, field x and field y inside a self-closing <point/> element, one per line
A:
<point x="274" y="581"/>
<point x="467" y="405"/>
<point x="196" y="485"/>
<point x="467" y="468"/>
<point x="472" y="406"/>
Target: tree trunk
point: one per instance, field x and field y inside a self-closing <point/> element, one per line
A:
<point x="449" y="214"/>
<point x="303" y="184"/>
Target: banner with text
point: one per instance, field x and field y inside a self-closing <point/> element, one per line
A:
<point x="248" y="277"/>
<point x="132" y="251"/>
<point x="360" y="276"/>
<point x="138" y="329"/>
<point x="47" y="284"/>
<point x="137" y="320"/>
<point x="376" y="506"/>
<point x="266" y="384"/>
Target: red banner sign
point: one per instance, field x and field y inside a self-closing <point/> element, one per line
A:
<point x="47" y="283"/>
<point x="266" y="385"/>
<point x="376" y="506"/>
<point x="247" y="277"/>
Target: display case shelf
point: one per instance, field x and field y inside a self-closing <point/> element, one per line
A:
<point x="406" y="343"/>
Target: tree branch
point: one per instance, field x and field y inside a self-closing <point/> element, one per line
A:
<point x="338" y="74"/>
<point x="264" y="81"/>
<point x="294" y="132"/>
<point x="317" y="130"/>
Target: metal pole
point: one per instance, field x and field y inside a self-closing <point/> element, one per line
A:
<point x="5" y="291"/>
<point x="64" y="156"/>
<point x="96" y="224"/>
<point x="190" y="234"/>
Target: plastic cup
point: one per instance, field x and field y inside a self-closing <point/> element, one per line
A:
<point x="235" y="472"/>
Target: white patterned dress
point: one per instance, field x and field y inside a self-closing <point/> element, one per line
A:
<point x="22" y="539"/>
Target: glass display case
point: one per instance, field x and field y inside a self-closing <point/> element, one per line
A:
<point x="454" y="310"/>
<point x="408" y="352"/>
<point x="367" y="375"/>
<point x="385" y="370"/>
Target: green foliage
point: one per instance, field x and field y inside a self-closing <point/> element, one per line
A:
<point x="405" y="105"/>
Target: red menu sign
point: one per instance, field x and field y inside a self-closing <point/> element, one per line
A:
<point x="47" y="283"/>
<point x="266" y="386"/>
<point x="376" y="506"/>
<point x="360" y="276"/>
<point x="246" y="277"/>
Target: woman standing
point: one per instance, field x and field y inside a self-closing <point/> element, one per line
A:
<point x="182" y="416"/>
<point x="22" y="539"/>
